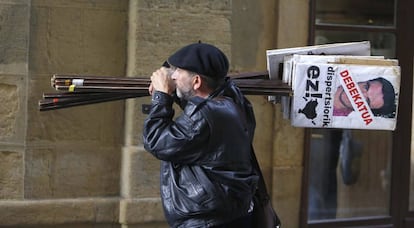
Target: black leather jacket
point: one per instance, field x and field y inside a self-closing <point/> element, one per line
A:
<point x="206" y="171"/>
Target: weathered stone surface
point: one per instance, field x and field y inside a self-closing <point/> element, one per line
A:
<point x="104" y="41"/>
<point x="14" y="36"/>
<point x="142" y="210"/>
<point x="11" y="175"/>
<point x="10" y="103"/>
<point x="61" y="211"/>
<point x="94" y="124"/>
<point x="13" y="98"/>
<point x="292" y="32"/>
<point x="78" y="40"/>
<point x="82" y="37"/>
<point x="84" y="4"/>
<point x="71" y="170"/>
<point x="140" y="174"/>
<point x="190" y="6"/>
<point x="154" y="45"/>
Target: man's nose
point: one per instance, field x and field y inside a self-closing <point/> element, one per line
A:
<point x="173" y="76"/>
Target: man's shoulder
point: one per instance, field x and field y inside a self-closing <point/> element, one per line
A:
<point x="194" y="105"/>
<point x="199" y="104"/>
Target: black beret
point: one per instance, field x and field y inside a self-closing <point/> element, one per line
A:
<point x="201" y="58"/>
<point x="165" y="64"/>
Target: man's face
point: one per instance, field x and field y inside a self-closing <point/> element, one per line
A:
<point x="371" y="90"/>
<point x="184" y="83"/>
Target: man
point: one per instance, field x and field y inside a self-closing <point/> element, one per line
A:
<point x="379" y="94"/>
<point x="207" y="179"/>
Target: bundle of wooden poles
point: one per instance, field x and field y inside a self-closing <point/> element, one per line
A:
<point x="76" y="90"/>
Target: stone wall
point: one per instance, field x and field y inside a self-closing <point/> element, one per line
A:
<point x="74" y="152"/>
<point x="14" y="34"/>
<point x="86" y="166"/>
<point x="62" y="166"/>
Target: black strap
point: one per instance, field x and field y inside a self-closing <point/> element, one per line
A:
<point x="261" y="188"/>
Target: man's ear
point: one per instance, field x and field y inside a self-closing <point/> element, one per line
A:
<point x="197" y="82"/>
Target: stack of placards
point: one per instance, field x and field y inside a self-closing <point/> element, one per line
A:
<point x="340" y="91"/>
<point x="275" y="57"/>
<point x="275" y="62"/>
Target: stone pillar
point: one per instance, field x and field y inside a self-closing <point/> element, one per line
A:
<point x="292" y="23"/>
<point x="157" y="29"/>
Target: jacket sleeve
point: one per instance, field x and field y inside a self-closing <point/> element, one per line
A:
<point x="173" y="140"/>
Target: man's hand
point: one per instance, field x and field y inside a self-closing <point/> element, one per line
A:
<point x="161" y="81"/>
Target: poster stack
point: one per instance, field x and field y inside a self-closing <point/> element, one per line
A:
<point x="349" y="91"/>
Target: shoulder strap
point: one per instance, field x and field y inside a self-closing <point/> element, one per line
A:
<point x="262" y="190"/>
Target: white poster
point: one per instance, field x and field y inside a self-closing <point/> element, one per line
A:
<point x="332" y="95"/>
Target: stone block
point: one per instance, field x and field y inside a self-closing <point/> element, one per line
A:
<point x="140" y="173"/>
<point x="164" y="32"/>
<point x="11" y="175"/>
<point x="12" y="111"/>
<point x="253" y="31"/>
<point x="285" y="23"/>
<point x="97" y="124"/>
<point x="83" y="4"/>
<point x="40" y="213"/>
<point x="64" y="48"/>
<point x="14" y="36"/>
<point x="68" y="38"/>
<point x="143" y="210"/>
<point x="71" y="170"/>
<point x="105" y="41"/>
<point x="9" y="109"/>
<point x="189" y="6"/>
<point x="39" y="36"/>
